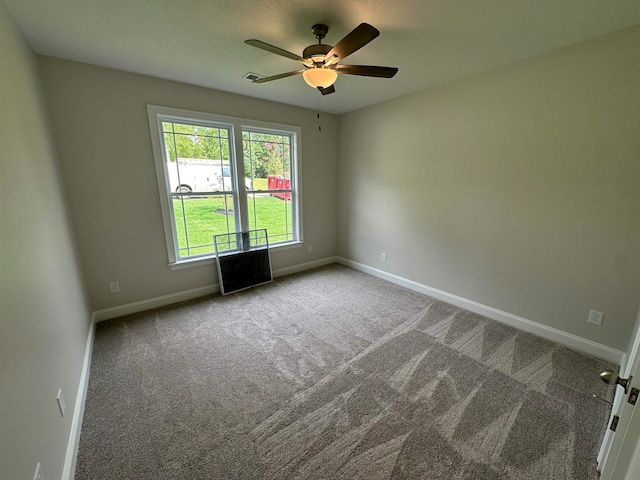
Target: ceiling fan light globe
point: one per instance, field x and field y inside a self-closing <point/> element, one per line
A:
<point x="320" y="77"/>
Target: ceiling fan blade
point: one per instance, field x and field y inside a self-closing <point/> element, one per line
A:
<point x="358" y="38"/>
<point x="277" y="50"/>
<point x="278" y="77"/>
<point x="367" y="70"/>
<point x="328" y="90"/>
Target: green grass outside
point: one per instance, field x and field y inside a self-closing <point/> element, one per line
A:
<point x="260" y="184"/>
<point x="206" y="217"/>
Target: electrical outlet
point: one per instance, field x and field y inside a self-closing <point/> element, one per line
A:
<point x="38" y="475"/>
<point x="310" y="249"/>
<point x="595" y="317"/>
<point x="61" y="405"/>
<point x="383" y="257"/>
<point x="114" y="287"/>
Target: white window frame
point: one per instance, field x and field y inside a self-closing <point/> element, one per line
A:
<point x="157" y="114"/>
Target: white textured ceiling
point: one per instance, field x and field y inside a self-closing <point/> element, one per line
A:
<point x="201" y="42"/>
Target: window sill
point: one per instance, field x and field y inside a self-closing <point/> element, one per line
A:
<point x="211" y="259"/>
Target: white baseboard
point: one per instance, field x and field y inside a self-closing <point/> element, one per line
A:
<point x="569" y="340"/>
<point x="301" y="267"/>
<point x="68" y="471"/>
<point x="572" y="341"/>
<point x="161" y="301"/>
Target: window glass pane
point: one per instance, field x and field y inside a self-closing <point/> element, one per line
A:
<point x="265" y="155"/>
<point x="267" y="137"/>
<point x="272" y="213"/>
<point x="169" y="146"/>
<point x="199" y="218"/>
<point x="185" y="128"/>
<point x="226" y="242"/>
<point x="199" y="175"/>
<point x="224" y="150"/>
<point x="208" y="131"/>
<point x="268" y="163"/>
<point x="198" y="159"/>
<point x="194" y="141"/>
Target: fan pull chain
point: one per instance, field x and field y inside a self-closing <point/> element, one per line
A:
<point x="318" y="114"/>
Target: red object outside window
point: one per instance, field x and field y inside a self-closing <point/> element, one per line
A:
<point x="278" y="182"/>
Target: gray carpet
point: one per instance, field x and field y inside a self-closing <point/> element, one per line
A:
<point x="334" y="374"/>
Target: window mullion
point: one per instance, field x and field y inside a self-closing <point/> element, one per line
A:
<point x="242" y="220"/>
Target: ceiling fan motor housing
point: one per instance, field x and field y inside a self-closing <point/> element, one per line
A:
<point x="313" y="50"/>
<point x="318" y="51"/>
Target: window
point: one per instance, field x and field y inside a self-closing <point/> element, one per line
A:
<point x="221" y="175"/>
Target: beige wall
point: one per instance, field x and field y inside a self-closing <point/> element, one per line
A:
<point x="99" y="120"/>
<point x="44" y="318"/>
<point x="518" y="188"/>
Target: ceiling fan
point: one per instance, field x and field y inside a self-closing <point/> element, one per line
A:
<point x="321" y="60"/>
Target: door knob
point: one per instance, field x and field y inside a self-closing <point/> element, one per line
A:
<point x="612" y="378"/>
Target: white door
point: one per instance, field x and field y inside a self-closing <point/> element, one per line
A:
<point x="616" y="459"/>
